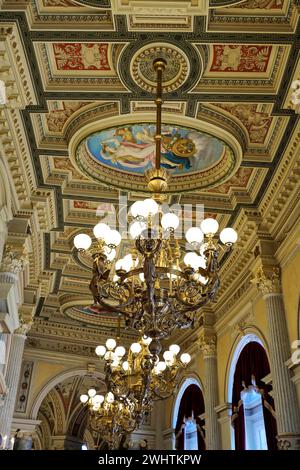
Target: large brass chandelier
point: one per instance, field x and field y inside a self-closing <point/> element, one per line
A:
<point x="111" y="417"/>
<point x="157" y="286"/>
<point x="134" y="381"/>
<point x="141" y="376"/>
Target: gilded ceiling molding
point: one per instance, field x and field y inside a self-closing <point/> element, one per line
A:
<point x="159" y="8"/>
<point x="282" y="195"/>
<point x="14" y="69"/>
<point x="67" y="14"/>
<point x="268" y="14"/>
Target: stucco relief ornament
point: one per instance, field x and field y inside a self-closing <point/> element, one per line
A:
<point x="13" y="261"/>
<point x="208" y="345"/>
<point x="267" y="282"/>
<point x="295" y="96"/>
<point x="288" y="442"/>
<point x="24" y="328"/>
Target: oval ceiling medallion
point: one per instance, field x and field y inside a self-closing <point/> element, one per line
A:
<point x="119" y="156"/>
<point x="175" y="74"/>
<point x="90" y="314"/>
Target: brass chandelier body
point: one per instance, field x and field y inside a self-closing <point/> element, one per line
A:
<point x="152" y="287"/>
<point x="133" y="382"/>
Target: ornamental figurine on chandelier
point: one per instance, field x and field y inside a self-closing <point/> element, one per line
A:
<point x="156" y="286"/>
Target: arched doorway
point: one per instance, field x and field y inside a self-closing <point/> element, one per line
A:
<point x="253" y="415"/>
<point x="63" y="420"/>
<point x="187" y="420"/>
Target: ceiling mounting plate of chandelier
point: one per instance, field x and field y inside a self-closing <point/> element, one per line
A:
<point x="197" y="154"/>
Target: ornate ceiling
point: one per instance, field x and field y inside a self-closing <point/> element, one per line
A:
<point x="83" y="69"/>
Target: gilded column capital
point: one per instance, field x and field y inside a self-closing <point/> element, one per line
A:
<point x="14" y="260"/>
<point x="208" y="345"/>
<point x="25" y="320"/>
<point x="267" y="279"/>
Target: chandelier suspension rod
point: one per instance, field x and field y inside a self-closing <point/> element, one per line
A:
<point x="159" y="66"/>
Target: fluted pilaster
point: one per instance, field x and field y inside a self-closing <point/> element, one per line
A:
<point x="267" y="280"/>
<point x="286" y="403"/>
<point x="12" y="381"/>
<point x="212" y="426"/>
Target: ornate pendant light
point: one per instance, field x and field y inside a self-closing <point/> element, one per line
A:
<point x="157" y="286"/>
<point x="134" y="381"/>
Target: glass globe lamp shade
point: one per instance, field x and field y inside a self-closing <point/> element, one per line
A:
<point x="174" y="348"/>
<point x="97" y="399"/>
<point x="228" y="236"/>
<point x="120" y="351"/>
<point x="100" y="350"/>
<point x="136" y="229"/>
<point x="110" y="398"/>
<point x="149" y="207"/>
<point x="135" y="348"/>
<point x="101" y="230"/>
<point x="168" y="356"/>
<point x="84" y="398"/>
<point x="100" y="399"/>
<point x="142" y="277"/>
<point x="185" y="358"/>
<point x="113" y="238"/>
<point x="161" y="366"/>
<point x="169" y="221"/>
<point x="110" y="253"/>
<point x="146" y="340"/>
<point x="125" y="366"/>
<point x="92" y="392"/>
<point x="209" y="226"/>
<point x="130" y="258"/>
<point x="137" y="209"/>
<point x="127" y="264"/>
<point x="110" y="344"/>
<point x="203" y="248"/>
<point x="191" y="259"/>
<point x="194" y="235"/>
<point x="82" y="241"/>
<point x="119" y="264"/>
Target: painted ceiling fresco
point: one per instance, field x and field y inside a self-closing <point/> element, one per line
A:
<point x="132" y="148"/>
<point x="87" y="114"/>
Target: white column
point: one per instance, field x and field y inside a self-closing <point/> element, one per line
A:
<point x="211" y="399"/>
<point x="285" y="397"/>
<point x="224" y="418"/>
<point x="12" y="382"/>
<point x="169" y="439"/>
